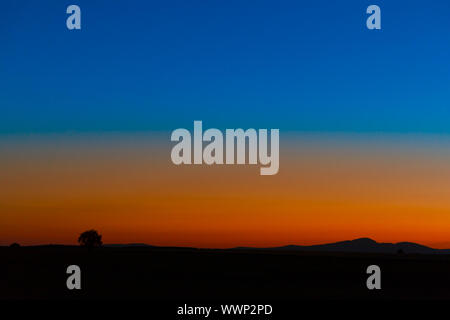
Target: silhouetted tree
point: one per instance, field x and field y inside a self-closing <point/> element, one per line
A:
<point x="14" y="245"/>
<point x="90" y="239"/>
<point x="400" y="251"/>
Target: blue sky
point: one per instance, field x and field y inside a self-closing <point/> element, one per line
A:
<point x="306" y="66"/>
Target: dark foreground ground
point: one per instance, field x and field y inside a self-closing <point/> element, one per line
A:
<point x="217" y="275"/>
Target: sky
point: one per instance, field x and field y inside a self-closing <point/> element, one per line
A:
<point x="156" y="65"/>
<point x="86" y="117"/>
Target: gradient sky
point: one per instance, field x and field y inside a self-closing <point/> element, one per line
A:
<point x="157" y="65"/>
<point x="86" y="118"/>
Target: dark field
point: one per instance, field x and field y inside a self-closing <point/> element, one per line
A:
<point x="217" y="275"/>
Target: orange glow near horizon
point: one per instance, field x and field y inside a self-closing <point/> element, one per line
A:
<point x="125" y="186"/>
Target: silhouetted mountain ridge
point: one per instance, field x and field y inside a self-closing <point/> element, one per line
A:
<point x="362" y="245"/>
<point x="127" y="245"/>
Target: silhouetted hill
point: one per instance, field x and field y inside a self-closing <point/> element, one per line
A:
<point x="362" y="245"/>
<point x="182" y="274"/>
<point x="127" y="245"/>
